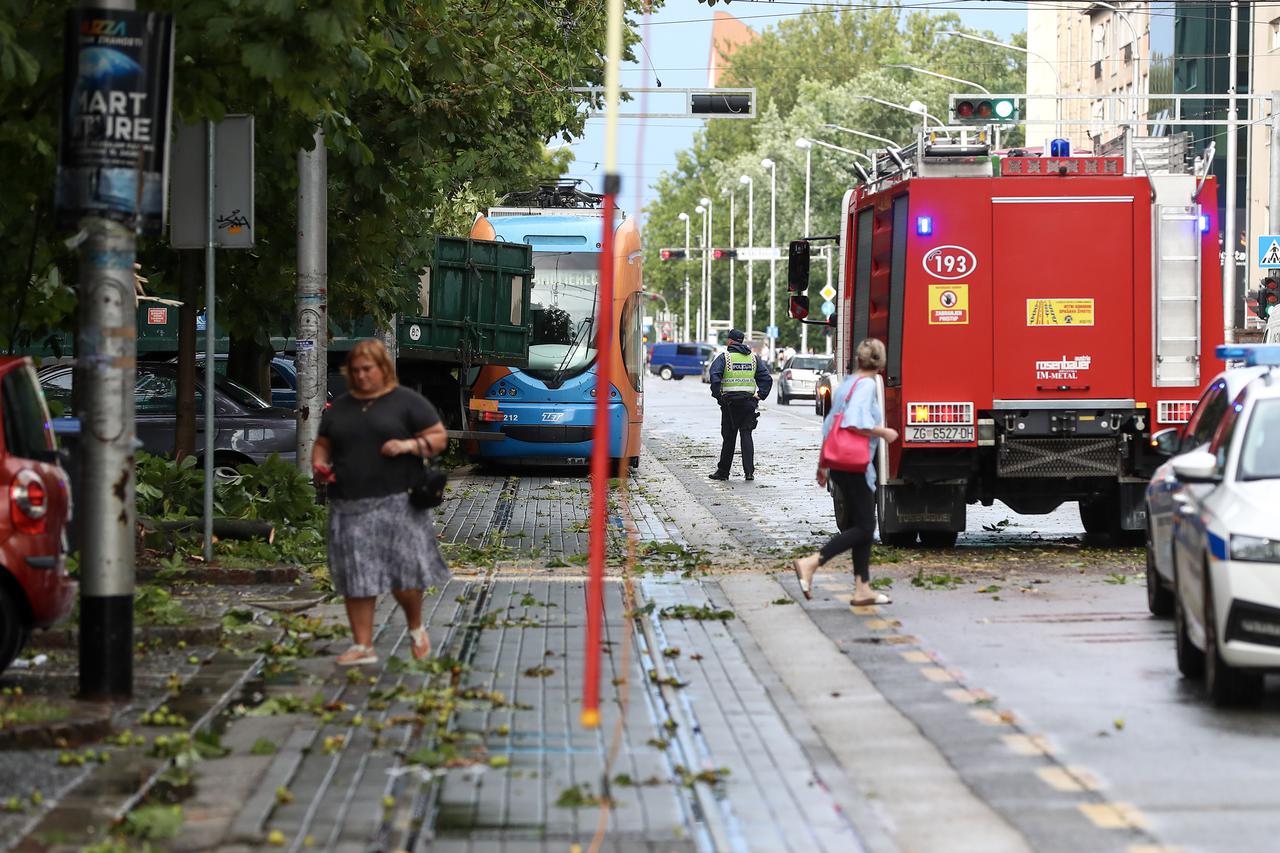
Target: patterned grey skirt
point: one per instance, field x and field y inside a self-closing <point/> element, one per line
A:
<point x="377" y="545"/>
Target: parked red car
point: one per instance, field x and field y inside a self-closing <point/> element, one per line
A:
<point x="35" y="505"/>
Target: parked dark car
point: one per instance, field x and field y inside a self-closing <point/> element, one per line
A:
<point x="35" y="504"/>
<point x="284" y="378"/>
<point x="248" y="428"/>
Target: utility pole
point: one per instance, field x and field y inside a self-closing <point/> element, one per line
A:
<point x="808" y="174"/>
<point x="312" y="294"/>
<point x="733" y="261"/>
<point x="1229" y="219"/>
<point x="210" y="313"/>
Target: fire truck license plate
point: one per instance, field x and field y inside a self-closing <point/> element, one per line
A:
<point x="940" y="433"/>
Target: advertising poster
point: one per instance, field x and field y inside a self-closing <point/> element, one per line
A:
<point x="113" y="150"/>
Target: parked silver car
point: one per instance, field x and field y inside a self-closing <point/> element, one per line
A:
<point x="800" y="376"/>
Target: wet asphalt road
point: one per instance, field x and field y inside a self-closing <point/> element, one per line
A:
<point x="1072" y="660"/>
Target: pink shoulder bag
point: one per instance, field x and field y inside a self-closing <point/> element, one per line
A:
<point x="844" y="449"/>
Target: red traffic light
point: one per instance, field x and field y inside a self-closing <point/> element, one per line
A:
<point x="964" y="109"/>
<point x="671" y="254"/>
<point x="799" y="307"/>
<point x="724" y="254"/>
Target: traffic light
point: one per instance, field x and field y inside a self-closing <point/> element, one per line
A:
<point x="724" y="254"/>
<point x="799" y="306"/>
<point x="984" y="109"/>
<point x="798" y="267"/>
<point x="671" y="254"/>
<point x="1268" y="296"/>
<point x="714" y="104"/>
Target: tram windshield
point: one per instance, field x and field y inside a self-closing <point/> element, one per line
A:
<point x="563" y="308"/>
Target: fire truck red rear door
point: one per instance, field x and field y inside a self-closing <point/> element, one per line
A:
<point x="1063" y="282"/>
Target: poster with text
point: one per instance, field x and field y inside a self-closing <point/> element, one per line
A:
<point x="116" y="102"/>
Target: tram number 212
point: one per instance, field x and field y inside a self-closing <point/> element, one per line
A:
<point x="950" y="262"/>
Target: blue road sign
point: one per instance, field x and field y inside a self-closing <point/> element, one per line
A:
<point x="771" y="332"/>
<point x="828" y="308"/>
<point x="1269" y="251"/>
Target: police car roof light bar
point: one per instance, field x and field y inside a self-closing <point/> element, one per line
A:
<point x="1253" y="355"/>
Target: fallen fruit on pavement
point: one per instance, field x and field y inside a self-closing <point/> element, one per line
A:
<point x="275" y="838"/>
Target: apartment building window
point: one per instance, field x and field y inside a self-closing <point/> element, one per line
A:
<point x="1275" y="34"/>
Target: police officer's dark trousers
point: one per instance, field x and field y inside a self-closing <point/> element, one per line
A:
<point x="737" y="417"/>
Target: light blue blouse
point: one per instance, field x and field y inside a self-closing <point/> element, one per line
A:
<point x="863" y="411"/>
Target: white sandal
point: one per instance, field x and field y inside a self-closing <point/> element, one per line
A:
<point x="420" y="640"/>
<point x="357" y="655"/>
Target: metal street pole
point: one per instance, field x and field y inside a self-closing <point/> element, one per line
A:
<point x="210" y="319"/>
<point x="687" y="258"/>
<point x="312" y="294"/>
<point x="711" y="239"/>
<point x="773" y="250"/>
<point x="1229" y="219"/>
<point x="107" y="353"/>
<point x="702" y="270"/>
<point x="1273" y="205"/>
<point x="733" y="261"/>
<point x="827" y="331"/>
<point x="751" y="244"/>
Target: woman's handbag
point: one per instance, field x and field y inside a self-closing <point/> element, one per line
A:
<point x="428" y="490"/>
<point x="844" y="449"/>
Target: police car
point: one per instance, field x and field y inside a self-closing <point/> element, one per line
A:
<point x="1164" y="490"/>
<point x="1225" y="537"/>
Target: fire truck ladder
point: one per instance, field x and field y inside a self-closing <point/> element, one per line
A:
<point x="1177" y="294"/>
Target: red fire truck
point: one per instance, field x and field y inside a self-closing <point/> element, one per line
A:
<point x="1043" y="317"/>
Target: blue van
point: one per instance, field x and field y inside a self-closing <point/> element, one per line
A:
<point x="676" y="361"/>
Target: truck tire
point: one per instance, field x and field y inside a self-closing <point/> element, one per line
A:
<point x="665" y="373"/>
<point x="900" y="539"/>
<point x="843" y="511"/>
<point x="938" y="538"/>
<point x="1101" y="516"/>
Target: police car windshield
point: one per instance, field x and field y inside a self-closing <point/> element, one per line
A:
<point x="811" y="363"/>
<point x="1259" y="459"/>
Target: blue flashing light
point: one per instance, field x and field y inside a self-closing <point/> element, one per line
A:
<point x="1253" y="355"/>
<point x="924" y="225"/>
<point x="1204" y="223"/>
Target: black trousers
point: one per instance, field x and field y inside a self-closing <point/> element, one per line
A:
<point x="737" y="418"/>
<point x="860" y="500"/>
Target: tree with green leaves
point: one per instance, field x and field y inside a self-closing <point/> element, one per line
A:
<point x="810" y="71"/>
<point x="431" y="108"/>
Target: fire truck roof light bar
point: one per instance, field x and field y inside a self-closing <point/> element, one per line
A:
<point x="1253" y="355"/>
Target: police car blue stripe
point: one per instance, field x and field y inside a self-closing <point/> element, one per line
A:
<point x="1217" y="546"/>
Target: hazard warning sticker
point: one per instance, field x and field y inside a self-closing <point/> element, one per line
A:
<point x="1059" y="312"/>
<point x="948" y="305"/>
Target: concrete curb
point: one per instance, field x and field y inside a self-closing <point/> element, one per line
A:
<point x="904" y="776"/>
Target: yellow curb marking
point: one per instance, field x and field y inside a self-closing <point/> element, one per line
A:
<point x="936" y="674"/>
<point x="1028" y="744"/>
<point x="1069" y="779"/>
<point x="861" y="609"/>
<point x="989" y="717"/>
<point x="959" y="694"/>
<point x="883" y="624"/>
<point x="1114" y="815"/>
<point x="899" y="640"/>
<point x="916" y="657"/>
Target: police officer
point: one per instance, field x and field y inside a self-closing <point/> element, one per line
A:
<point x="739" y="381"/>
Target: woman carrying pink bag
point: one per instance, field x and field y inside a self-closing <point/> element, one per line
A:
<point x="857" y="419"/>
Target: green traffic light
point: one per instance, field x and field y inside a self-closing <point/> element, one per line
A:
<point x="1003" y="109"/>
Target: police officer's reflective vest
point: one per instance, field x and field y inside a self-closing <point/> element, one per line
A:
<point x="739" y="374"/>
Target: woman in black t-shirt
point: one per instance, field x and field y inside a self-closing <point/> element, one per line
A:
<point x="370" y="449"/>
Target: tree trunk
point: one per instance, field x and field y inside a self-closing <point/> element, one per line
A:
<point x="189" y="280"/>
<point x="249" y="363"/>
<point x="223" y="528"/>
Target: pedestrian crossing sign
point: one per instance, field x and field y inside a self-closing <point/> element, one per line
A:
<point x="1269" y="251"/>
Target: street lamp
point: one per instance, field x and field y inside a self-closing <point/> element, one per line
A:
<point x="706" y="260"/>
<point x="983" y="89"/>
<point x="750" y="184"/>
<point x="702" y="290"/>
<point x="1056" y="102"/>
<point x="916" y="107"/>
<point x="889" y="142"/>
<point x="772" y="331"/>
<point x="684" y="217"/>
